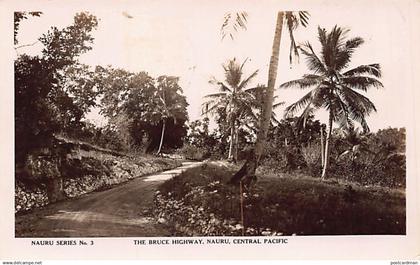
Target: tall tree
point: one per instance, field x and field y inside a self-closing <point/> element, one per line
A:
<point x="291" y="20"/>
<point x="171" y="105"/>
<point x="232" y="98"/>
<point x="43" y="98"/>
<point x="334" y="86"/>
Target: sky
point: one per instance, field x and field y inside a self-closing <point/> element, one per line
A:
<point x="185" y="41"/>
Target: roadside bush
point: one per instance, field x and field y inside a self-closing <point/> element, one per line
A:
<point x="191" y="152"/>
<point x="368" y="169"/>
<point x="312" y="156"/>
<point x="282" y="159"/>
<point x="372" y="159"/>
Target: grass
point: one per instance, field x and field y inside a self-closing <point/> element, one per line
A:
<point x="292" y="204"/>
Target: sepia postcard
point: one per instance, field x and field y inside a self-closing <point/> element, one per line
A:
<point x="210" y="130"/>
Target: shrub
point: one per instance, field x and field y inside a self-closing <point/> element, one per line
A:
<point x="371" y="159"/>
<point x="370" y="169"/>
<point x="282" y="158"/>
<point x="192" y="152"/>
<point x="312" y="156"/>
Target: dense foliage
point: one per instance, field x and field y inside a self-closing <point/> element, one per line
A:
<point x="54" y="92"/>
<point x="372" y="159"/>
<point x="46" y="98"/>
<point x="137" y="105"/>
<point x="364" y="158"/>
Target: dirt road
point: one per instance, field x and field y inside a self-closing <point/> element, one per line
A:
<point x="117" y="212"/>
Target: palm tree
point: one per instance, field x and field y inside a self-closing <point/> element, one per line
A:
<point x="233" y="98"/>
<point x="291" y="20"/>
<point x="334" y="87"/>
<point x="168" y="104"/>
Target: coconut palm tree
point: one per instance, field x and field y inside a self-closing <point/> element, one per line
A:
<point x="334" y="87"/>
<point x="284" y="18"/>
<point x="232" y="98"/>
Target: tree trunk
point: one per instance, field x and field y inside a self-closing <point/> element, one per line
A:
<point x="232" y="136"/>
<point x="322" y="147"/>
<point x="161" y="137"/>
<point x="251" y="164"/>
<point x="327" y="147"/>
<point x="235" y="155"/>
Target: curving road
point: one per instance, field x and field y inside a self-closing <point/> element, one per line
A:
<point x="118" y="212"/>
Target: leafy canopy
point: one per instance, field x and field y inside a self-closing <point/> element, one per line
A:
<point x="53" y="91"/>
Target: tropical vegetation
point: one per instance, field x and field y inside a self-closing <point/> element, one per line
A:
<point x="345" y="176"/>
<point x="335" y="87"/>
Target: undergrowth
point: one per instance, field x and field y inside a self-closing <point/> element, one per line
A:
<point x="199" y="202"/>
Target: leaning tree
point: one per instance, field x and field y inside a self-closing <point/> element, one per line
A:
<point x="291" y="20"/>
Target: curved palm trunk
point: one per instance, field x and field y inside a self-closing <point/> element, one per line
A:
<point x="327" y="147"/>
<point x="250" y="166"/>
<point x="161" y="137"/>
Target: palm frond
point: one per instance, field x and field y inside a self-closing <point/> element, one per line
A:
<point x="305" y="82"/>
<point x="243" y="64"/>
<point x="353" y="43"/>
<point x="249" y="112"/>
<point x="344" y="53"/>
<point x="276" y="105"/>
<point x="211" y="106"/>
<point x="232" y="22"/>
<point x="371" y="69"/>
<point x="322" y="37"/>
<point x="293" y="20"/>
<point x="246" y="81"/>
<point x="345" y="123"/>
<point x="361" y="82"/>
<point x="306" y="114"/>
<point x="357" y="101"/>
<point x="332" y="45"/>
<point x="292" y="23"/>
<point x="274" y="119"/>
<point x="359" y="106"/>
<point x="255" y="90"/>
<point x="361" y="119"/>
<point x="303" y="18"/>
<point x="341" y="112"/>
<point x="222" y="86"/>
<point x="312" y="60"/>
<point x="216" y="95"/>
<point x="300" y="104"/>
